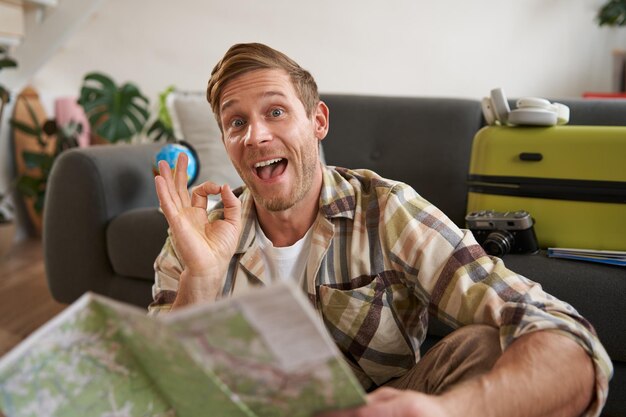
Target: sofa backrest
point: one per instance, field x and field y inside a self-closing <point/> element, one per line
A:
<point x="595" y="112"/>
<point x="424" y="142"/>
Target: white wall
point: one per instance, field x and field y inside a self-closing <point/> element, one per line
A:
<point x="454" y="48"/>
<point x="398" y="47"/>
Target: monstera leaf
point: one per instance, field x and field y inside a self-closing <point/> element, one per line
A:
<point x="115" y="113"/>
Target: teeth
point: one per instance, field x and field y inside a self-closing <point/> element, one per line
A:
<point x="266" y="163"/>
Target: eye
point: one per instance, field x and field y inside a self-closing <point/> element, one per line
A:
<point x="237" y="123"/>
<point x="277" y="112"/>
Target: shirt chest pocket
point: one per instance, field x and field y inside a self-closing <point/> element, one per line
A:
<point x="366" y="328"/>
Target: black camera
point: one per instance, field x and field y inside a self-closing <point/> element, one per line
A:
<point x="502" y="232"/>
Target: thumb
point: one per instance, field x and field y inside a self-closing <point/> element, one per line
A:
<point x="232" y="206"/>
<point x="383" y="394"/>
<point x="199" y="195"/>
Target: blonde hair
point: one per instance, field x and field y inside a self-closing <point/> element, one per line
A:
<point x="245" y="57"/>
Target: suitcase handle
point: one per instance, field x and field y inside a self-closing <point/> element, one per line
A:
<point x="530" y="156"/>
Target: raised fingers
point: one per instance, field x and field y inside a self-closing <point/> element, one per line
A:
<point x="176" y="182"/>
<point x="165" y="199"/>
<point x="166" y="174"/>
<point x="232" y="206"/>
<point x="180" y="178"/>
<point x="201" y="192"/>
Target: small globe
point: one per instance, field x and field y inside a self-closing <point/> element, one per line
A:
<point x="169" y="153"/>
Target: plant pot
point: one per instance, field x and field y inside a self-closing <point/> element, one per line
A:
<point x="7" y="235"/>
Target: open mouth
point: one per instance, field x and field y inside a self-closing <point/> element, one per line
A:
<point x="271" y="168"/>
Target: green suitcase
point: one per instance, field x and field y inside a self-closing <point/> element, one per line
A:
<point x="571" y="179"/>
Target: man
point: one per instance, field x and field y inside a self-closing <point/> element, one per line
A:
<point x="374" y="258"/>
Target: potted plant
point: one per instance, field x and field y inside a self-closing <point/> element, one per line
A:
<point x="115" y="113"/>
<point x="51" y="139"/>
<point x="613" y="13"/>
<point x="162" y="128"/>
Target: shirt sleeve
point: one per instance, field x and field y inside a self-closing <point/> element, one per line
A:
<point x="167" y="270"/>
<point x="464" y="285"/>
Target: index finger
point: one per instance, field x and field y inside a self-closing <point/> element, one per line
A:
<point x="180" y="178"/>
<point x="201" y="192"/>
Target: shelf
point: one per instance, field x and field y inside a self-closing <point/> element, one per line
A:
<point x="11" y="22"/>
<point x="45" y="3"/>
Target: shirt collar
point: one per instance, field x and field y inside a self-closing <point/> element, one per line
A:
<point x="337" y="199"/>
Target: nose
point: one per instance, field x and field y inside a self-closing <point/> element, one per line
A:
<point x="258" y="132"/>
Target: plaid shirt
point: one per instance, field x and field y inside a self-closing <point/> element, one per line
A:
<point x="382" y="258"/>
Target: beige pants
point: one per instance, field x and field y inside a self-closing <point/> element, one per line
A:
<point x="465" y="353"/>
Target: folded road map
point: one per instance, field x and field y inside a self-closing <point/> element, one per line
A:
<point x="265" y="353"/>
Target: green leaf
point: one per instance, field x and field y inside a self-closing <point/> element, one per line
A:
<point x="164" y="114"/>
<point x="114" y="113"/>
<point x="613" y="13"/>
<point x="88" y="96"/>
<point x="29" y="185"/>
<point x="141" y="110"/>
<point x="35" y="129"/>
<point x="34" y="159"/>
<point x="138" y="121"/>
<point x="96" y="102"/>
<point x="156" y="128"/>
<point x="115" y="130"/>
<point x="125" y="132"/>
<point x="33" y="116"/>
<point x="156" y="137"/>
<point x="107" y="83"/>
<point x="29" y="130"/>
<point x="39" y="200"/>
<point x="46" y="164"/>
<point x="7" y="63"/>
<point x="158" y="131"/>
<point x="98" y="117"/>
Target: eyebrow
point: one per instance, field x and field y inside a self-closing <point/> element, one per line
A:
<point x="266" y="94"/>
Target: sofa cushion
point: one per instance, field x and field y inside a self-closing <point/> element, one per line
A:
<point x="423" y="142"/>
<point x="134" y="239"/>
<point x="596" y="291"/>
<point x="193" y="122"/>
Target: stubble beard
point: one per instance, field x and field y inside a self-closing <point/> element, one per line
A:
<point x="277" y="203"/>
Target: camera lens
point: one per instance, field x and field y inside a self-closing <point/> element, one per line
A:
<point x="498" y="243"/>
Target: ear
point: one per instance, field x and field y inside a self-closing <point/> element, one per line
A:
<point x="321" y="120"/>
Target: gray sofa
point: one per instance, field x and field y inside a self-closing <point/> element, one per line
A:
<point x="102" y="229"/>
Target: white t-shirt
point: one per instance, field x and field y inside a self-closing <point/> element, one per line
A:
<point x="285" y="263"/>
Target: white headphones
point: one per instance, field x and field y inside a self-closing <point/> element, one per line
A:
<point x="530" y="111"/>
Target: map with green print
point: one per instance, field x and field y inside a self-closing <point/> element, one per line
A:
<point x="266" y="353"/>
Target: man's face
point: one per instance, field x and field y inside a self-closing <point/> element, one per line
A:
<point x="269" y="138"/>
